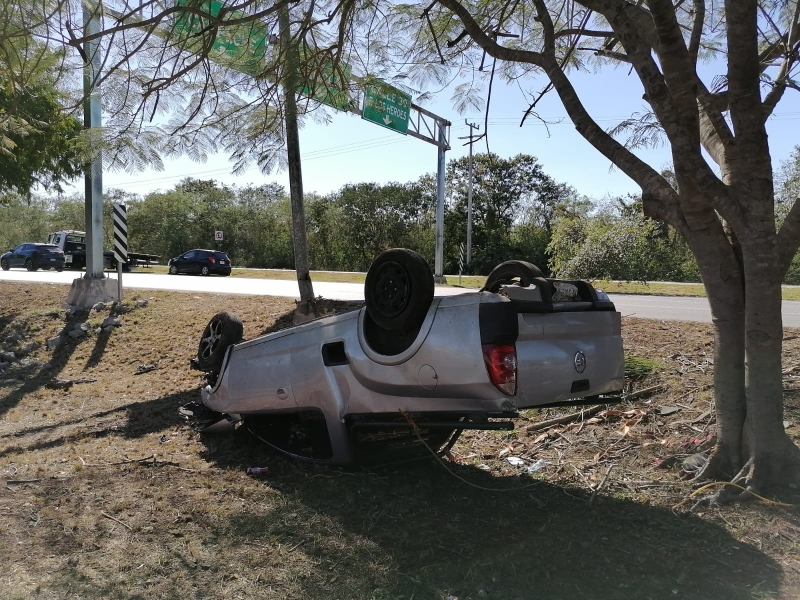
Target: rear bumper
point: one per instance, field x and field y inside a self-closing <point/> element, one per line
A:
<point x="45" y="262"/>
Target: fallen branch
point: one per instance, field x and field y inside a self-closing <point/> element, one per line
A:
<point x="107" y="516"/>
<point x="692" y="421"/>
<point x="565" y="419"/>
<point x="65" y="384"/>
<point x="601" y="484"/>
<point x="594" y="410"/>
<point x="123" y="462"/>
<point x="644" y="392"/>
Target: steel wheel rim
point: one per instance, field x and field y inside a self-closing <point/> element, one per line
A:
<point x="211" y="338"/>
<point x="394" y="289"/>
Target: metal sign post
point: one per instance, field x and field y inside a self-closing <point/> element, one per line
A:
<point x="120" y="214"/>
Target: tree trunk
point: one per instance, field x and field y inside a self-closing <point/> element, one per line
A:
<point x="722" y="279"/>
<point x="293" y="157"/>
<point x="748" y="336"/>
<point x="775" y="458"/>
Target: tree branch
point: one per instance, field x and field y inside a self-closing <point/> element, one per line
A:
<point x="697" y="29"/>
<point x="486" y="42"/>
<point x="584" y="33"/>
<point x="781" y="81"/>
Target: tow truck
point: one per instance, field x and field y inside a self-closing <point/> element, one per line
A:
<point x="73" y="243"/>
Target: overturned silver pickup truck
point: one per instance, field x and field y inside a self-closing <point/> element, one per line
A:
<point x="408" y="372"/>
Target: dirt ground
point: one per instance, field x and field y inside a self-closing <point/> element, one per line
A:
<point x="106" y="493"/>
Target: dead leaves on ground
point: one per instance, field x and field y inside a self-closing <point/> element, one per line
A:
<point x="628" y="418"/>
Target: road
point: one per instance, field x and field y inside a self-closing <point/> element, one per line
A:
<point x="671" y="308"/>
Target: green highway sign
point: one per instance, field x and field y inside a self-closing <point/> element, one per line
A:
<point x="241" y="47"/>
<point x="327" y="85"/>
<point x="387" y="106"/>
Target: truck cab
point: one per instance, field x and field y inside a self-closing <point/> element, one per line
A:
<point x="73" y="244"/>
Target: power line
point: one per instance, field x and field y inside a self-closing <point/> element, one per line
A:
<point x="388" y="140"/>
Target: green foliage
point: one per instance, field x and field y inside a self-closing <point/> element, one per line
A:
<point x="637" y="368"/>
<point x="350" y="227"/>
<point x="39" y="142"/>
<point x="23" y="220"/>
<point x="619" y="242"/>
<point x="787" y="192"/>
<point x="514" y="203"/>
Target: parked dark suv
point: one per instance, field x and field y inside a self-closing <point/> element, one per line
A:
<point x="204" y="262"/>
<point x="33" y="256"/>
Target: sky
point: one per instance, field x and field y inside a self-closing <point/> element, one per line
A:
<point x="351" y="150"/>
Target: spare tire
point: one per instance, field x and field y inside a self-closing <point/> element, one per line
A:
<point x="511" y="271"/>
<point x="222" y="331"/>
<point x="398" y="289"/>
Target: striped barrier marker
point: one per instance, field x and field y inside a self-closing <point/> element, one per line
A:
<point x="121" y="233"/>
<point x="120" y="214"/>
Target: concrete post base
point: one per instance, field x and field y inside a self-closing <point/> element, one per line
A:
<point x="85" y="293"/>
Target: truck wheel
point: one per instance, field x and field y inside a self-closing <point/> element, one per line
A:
<point x="30" y="266"/>
<point x="222" y="331"/>
<point x="204" y="271"/>
<point x="511" y="271"/>
<point x="398" y="289"/>
<point x="4" y="265"/>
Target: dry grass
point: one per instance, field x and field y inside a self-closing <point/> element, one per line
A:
<point x="110" y="495"/>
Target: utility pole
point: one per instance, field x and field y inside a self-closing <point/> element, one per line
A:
<point x="290" y="66"/>
<point x="93" y="287"/>
<point x="472" y="139"/>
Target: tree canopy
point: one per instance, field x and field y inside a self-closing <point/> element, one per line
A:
<point x="42" y="147"/>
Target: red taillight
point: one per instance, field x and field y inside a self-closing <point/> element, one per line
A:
<point x="211" y="260"/>
<point x="501" y="363"/>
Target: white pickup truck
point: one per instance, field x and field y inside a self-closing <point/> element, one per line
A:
<point x="73" y="244"/>
<point x="410" y="367"/>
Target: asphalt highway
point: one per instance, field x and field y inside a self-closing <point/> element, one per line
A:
<point x="670" y="308"/>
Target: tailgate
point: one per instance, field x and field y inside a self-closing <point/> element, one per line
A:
<point x="565" y="355"/>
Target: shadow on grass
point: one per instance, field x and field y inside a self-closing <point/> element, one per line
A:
<point x="99" y="349"/>
<point x="33" y="381"/>
<point x="416" y="531"/>
<point x="134" y="420"/>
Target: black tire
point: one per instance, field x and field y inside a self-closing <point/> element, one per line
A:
<point x="511" y="271"/>
<point x="59" y="269"/>
<point x="4" y="265"/>
<point x="204" y="271"/>
<point x="222" y="331"/>
<point x="173" y="270"/>
<point x="30" y="266"/>
<point x="398" y="289"/>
